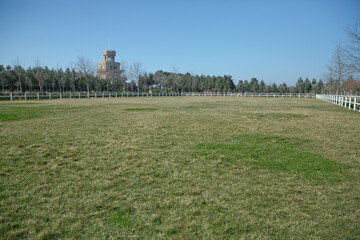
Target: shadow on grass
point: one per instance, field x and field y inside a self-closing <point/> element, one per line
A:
<point x="274" y="153"/>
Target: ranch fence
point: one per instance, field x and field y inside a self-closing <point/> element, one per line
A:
<point x="76" y="95"/>
<point x="348" y="101"/>
<point x="351" y="102"/>
<point x="246" y="94"/>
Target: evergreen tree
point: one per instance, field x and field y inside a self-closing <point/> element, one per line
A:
<point x="320" y="86"/>
<point x="246" y="86"/>
<point x="219" y="84"/>
<point x="228" y="83"/>
<point x="300" y="85"/>
<point x="240" y="86"/>
<point x="268" y="89"/>
<point x="307" y="86"/>
<point x="314" y="85"/>
<point x="293" y="89"/>
<point x="283" y="88"/>
<point x="262" y="86"/>
<point x="254" y="85"/>
<point x="274" y="88"/>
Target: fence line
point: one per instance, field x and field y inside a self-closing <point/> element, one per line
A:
<point x="60" y="95"/>
<point x="348" y="101"/>
<point x="71" y="95"/>
<point x="246" y="94"/>
<point x="351" y="102"/>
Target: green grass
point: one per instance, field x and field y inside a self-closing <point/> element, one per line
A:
<point x="139" y="109"/>
<point x="27" y="110"/>
<point x="180" y="168"/>
<point x="276" y="115"/>
<point x="19" y="113"/>
<point x="121" y="218"/>
<point x="276" y="154"/>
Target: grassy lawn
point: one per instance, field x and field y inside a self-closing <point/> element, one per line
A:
<point x="179" y="168"/>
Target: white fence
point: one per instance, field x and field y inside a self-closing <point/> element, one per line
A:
<point x="246" y="94"/>
<point x="351" y="102"/>
<point x="60" y="95"/>
<point x="76" y="95"/>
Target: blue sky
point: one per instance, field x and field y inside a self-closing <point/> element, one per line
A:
<point x="274" y="41"/>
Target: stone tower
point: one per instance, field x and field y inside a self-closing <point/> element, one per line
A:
<point x="109" y="69"/>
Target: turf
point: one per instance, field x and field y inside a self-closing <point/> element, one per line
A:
<point x="139" y="109"/>
<point x="179" y="168"/>
<point x="275" y="154"/>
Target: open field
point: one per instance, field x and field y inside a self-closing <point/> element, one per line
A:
<point x="179" y="167"/>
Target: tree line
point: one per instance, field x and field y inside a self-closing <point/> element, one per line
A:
<point x="302" y="86"/>
<point x="44" y="79"/>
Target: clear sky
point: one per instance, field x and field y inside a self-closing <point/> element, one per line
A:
<point x="274" y="41"/>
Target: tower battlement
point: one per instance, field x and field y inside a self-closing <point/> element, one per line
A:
<point x="109" y="69"/>
<point x="109" y="55"/>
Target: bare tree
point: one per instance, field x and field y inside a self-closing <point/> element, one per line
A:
<point x="73" y="76"/>
<point x="28" y="81"/>
<point x="39" y="74"/>
<point x="135" y="72"/>
<point x="123" y="77"/>
<point x="59" y="76"/>
<point x="176" y="78"/>
<point x="19" y="77"/>
<point x="353" y="50"/>
<point x="86" y="68"/>
<point x="19" y="74"/>
<point x="338" y="67"/>
<point x="160" y="79"/>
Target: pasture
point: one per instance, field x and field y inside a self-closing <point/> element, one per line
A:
<point x="179" y="168"/>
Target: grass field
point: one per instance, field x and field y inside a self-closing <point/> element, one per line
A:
<point x="179" y="168"/>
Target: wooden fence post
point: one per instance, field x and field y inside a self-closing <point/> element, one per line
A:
<point x="38" y="97"/>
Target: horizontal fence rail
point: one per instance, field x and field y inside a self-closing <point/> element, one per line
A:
<point x="76" y="95"/>
<point x="246" y="94"/>
<point x="350" y="102"/>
